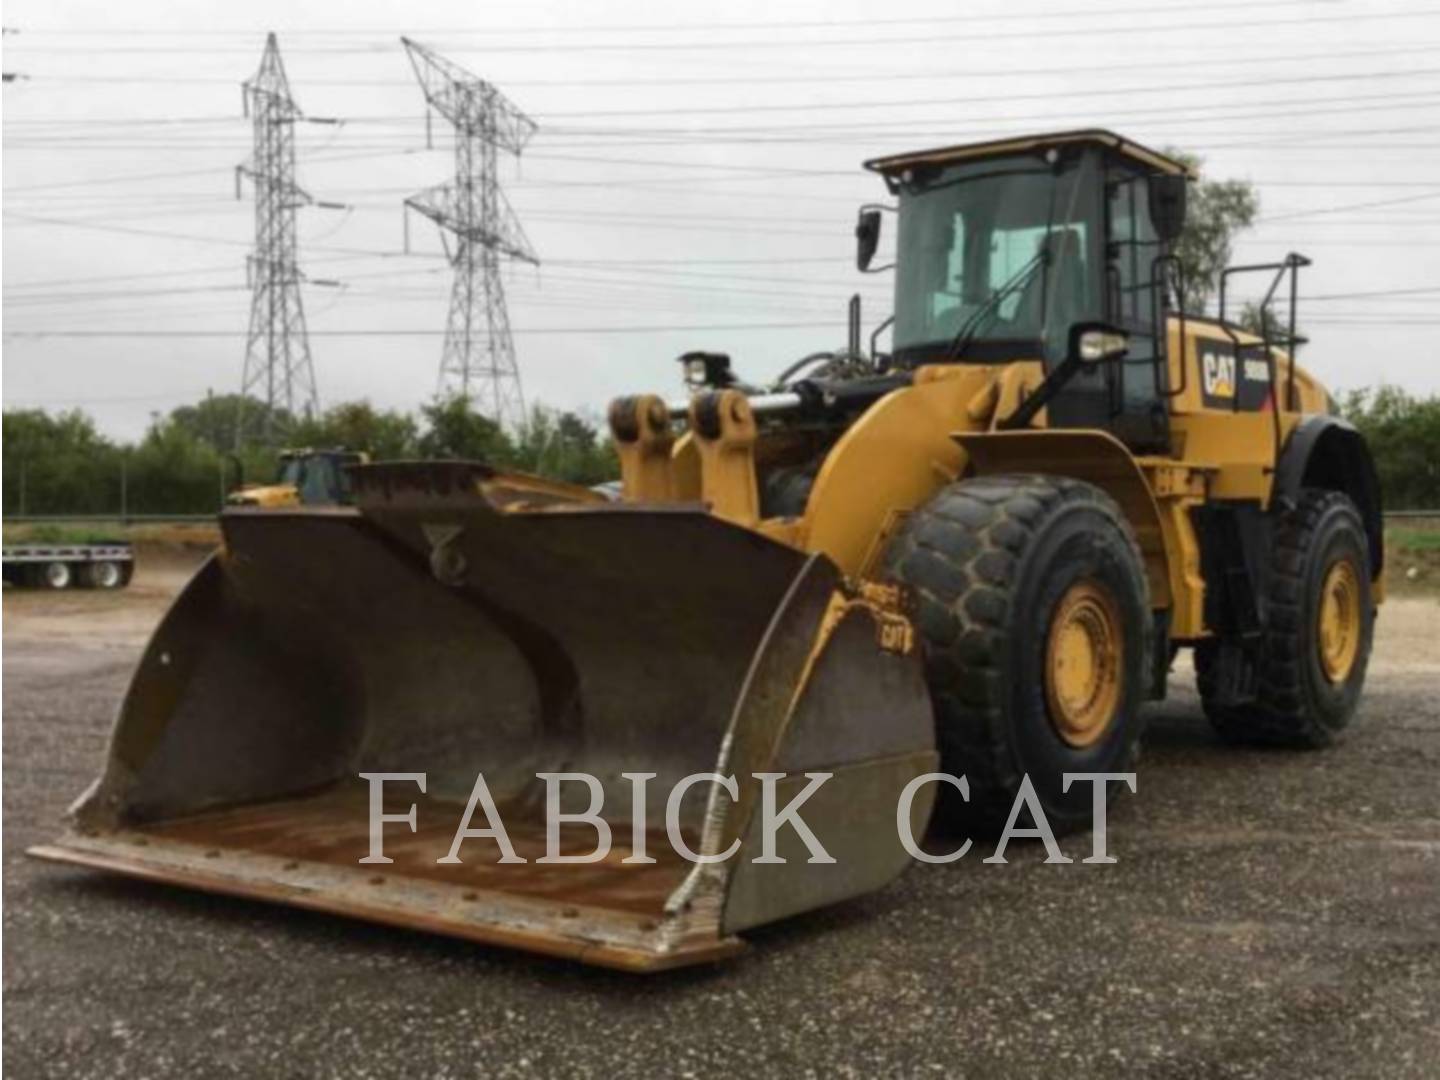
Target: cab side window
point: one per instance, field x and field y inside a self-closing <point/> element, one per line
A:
<point x="1131" y="298"/>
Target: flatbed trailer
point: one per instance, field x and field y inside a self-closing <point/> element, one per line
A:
<point x="104" y="564"/>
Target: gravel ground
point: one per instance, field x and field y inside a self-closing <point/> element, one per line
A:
<point x="1271" y="914"/>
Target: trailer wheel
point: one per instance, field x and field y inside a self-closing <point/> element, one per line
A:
<point x="56" y="575"/>
<point x="104" y="575"/>
<point x="1321" y="618"/>
<point x="1034" y="613"/>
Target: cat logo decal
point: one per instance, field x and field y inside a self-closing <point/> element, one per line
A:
<point x="1218" y="372"/>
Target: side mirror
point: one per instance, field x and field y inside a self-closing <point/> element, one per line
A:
<point x="1091" y="343"/>
<point x="867" y="238"/>
<point x="1167" y="205"/>
<point x="1094" y="343"/>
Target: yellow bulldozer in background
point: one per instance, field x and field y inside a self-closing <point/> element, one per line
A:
<point x="304" y="477"/>
<point x="977" y="553"/>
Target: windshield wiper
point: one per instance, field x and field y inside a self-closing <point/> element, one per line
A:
<point x="971" y="326"/>
<point x="1041" y="260"/>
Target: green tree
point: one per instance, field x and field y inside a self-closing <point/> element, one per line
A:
<point x="172" y="471"/>
<point x="357" y="425"/>
<point x="1215" y="211"/>
<point x="1403" y="432"/>
<point x="58" y="464"/>
<point x="564" y="446"/>
<point x="453" y="429"/>
<point x="1266" y="321"/>
<point x="213" y="419"/>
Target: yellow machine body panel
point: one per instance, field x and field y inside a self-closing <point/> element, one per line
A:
<point x="1225" y="429"/>
<point x="1223" y="414"/>
<point x="270" y="496"/>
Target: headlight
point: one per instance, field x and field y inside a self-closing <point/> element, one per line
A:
<point x="703" y="369"/>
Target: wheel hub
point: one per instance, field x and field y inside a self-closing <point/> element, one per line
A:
<point x="1085" y="655"/>
<point x="1339" y="617"/>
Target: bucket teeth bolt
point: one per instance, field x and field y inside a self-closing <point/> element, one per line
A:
<point x="448" y="564"/>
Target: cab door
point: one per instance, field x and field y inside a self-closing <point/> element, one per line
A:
<point x="1135" y="303"/>
<point x="1106" y="261"/>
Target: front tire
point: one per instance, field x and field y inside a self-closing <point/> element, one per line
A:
<point x="1034" y="613"/>
<point x="1320" y="625"/>
<point x="56" y="575"/>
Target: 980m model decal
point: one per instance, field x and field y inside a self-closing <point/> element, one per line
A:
<point x="1223" y="376"/>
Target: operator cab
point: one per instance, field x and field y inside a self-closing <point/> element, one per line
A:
<point x="319" y="477"/>
<point x="1007" y="248"/>
<point x="305" y="478"/>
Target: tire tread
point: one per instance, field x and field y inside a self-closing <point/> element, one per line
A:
<point x="961" y="554"/>
<point x="1280" y="715"/>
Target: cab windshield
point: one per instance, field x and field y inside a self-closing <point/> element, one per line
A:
<point x="318" y="479"/>
<point x="995" y="259"/>
<point x="292" y="471"/>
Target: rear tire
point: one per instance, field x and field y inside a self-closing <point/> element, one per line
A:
<point x="104" y="575"/>
<point x="1321" y="619"/>
<point x="1034" y="614"/>
<point x="55" y="575"/>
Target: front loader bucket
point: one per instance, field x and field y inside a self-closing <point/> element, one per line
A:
<point x="459" y="622"/>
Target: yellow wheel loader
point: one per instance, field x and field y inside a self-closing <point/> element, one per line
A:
<point x="304" y="478"/>
<point x="974" y="555"/>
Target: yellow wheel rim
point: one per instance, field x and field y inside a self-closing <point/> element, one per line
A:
<point x="1338" y="639"/>
<point x="1084" y="658"/>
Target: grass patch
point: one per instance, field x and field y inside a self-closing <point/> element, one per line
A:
<point x="1412" y="556"/>
<point x="201" y="534"/>
<point x="1413" y="539"/>
<point x="53" y="533"/>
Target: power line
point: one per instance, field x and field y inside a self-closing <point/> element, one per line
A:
<point x="1426" y="289"/>
<point x="1167" y="111"/>
<point x="625" y="276"/>
<point x="902" y="129"/>
<point x="585" y="262"/>
<point x="173" y="173"/>
<point x="1349" y="206"/>
<point x="905" y="75"/>
<point x="936" y="127"/>
<point x="119" y="294"/>
<point x="970" y="100"/>
<point x="770" y="42"/>
<point x="226" y="268"/>
<point x="648" y="163"/>
<point x="197" y="237"/>
<point x="416" y="332"/>
<point x="595" y="28"/>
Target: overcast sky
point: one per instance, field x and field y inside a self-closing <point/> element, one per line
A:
<point x="696" y="166"/>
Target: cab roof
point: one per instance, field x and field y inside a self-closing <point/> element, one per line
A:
<point x="1150" y="159"/>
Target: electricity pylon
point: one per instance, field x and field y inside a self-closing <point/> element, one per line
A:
<point x="478" y="359"/>
<point x="277" y="349"/>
